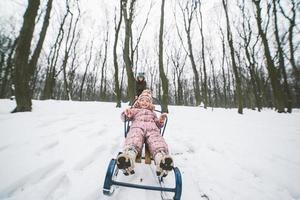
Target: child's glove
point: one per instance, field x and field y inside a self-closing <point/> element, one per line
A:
<point x="162" y="118"/>
<point x="128" y="112"/>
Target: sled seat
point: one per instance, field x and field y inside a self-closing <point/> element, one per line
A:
<point x="147" y="157"/>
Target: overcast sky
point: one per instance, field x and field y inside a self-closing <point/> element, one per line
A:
<point x="95" y="15"/>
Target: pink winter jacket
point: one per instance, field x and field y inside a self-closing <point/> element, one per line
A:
<point x="143" y="118"/>
<point x="145" y="129"/>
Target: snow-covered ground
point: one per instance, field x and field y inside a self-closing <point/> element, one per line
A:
<point x="61" y="151"/>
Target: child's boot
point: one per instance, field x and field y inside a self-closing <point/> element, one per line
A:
<point x="164" y="163"/>
<point x="125" y="161"/>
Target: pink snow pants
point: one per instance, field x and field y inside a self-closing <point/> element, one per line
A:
<point x="137" y="136"/>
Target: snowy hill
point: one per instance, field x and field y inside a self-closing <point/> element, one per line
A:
<point x="61" y="151"/>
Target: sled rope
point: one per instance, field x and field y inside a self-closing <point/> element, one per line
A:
<point x="163" y="194"/>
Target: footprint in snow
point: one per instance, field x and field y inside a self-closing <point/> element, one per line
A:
<point x="213" y="149"/>
<point x="69" y="129"/>
<point x="95" y="195"/>
<point x="2" y="148"/>
<point x="50" y="146"/>
<point x="89" y="159"/>
<point x="191" y="150"/>
<point x="97" y="133"/>
<point x="32" y="178"/>
<point x="51" y="122"/>
<point x="58" y="187"/>
<point x="116" y="147"/>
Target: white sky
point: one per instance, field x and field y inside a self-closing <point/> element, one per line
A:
<point x="95" y="13"/>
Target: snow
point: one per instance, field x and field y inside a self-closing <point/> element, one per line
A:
<point x="61" y="150"/>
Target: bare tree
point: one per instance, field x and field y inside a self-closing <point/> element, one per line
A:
<point x="215" y="87"/>
<point x="153" y="75"/>
<point x="135" y="48"/>
<point x="8" y="71"/>
<point x="246" y="35"/>
<point x="128" y="19"/>
<point x="223" y="70"/>
<point x="116" y="66"/>
<point x="234" y="65"/>
<point x="93" y="78"/>
<point x="88" y="61"/>
<point x="178" y="65"/>
<point x="200" y="25"/>
<point x="36" y="54"/>
<point x="52" y="59"/>
<point x="22" y="71"/>
<point x="292" y="48"/>
<point x="188" y="14"/>
<point x="103" y="68"/>
<point x="163" y="77"/>
<point x="273" y="72"/>
<point x="68" y="46"/>
<point x="74" y="65"/>
<point x="288" y="100"/>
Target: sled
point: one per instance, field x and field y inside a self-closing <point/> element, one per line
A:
<point x="112" y="172"/>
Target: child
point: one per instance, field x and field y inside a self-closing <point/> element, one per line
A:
<point x="144" y="128"/>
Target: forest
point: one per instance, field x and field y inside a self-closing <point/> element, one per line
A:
<point x="228" y="54"/>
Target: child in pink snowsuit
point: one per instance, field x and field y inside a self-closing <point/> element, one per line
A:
<point x="145" y="128"/>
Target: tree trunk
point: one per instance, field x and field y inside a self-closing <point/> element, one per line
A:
<point x="256" y="89"/>
<point x="164" y="80"/>
<point x="68" y="45"/>
<point x="215" y="87"/>
<point x="273" y="72"/>
<point x="175" y="88"/>
<point x="292" y="50"/>
<point x="126" y="54"/>
<point x="223" y="70"/>
<point x="204" y="95"/>
<point x="34" y="59"/>
<point x="191" y="56"/>
<point x="103" y="69"/>
<point x="8" y="71"/>
<point x="116" y="74"/>
<point x="187" y="24"/>
<point x="234" y="65"/>
<point x="288" y="100"/>
<point x="178" y="70"/>
<point x="246" y="37"/>
<point x="85" y="73"/>
<point x="52" y="61"/>
<point x="22" y="71"/>
<point x="2" y="66"/>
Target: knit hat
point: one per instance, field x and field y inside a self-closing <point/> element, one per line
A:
<point x="146" y="94"/>
<point x="141" y="74"/>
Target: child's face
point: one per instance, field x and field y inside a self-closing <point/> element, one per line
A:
<point x="144" y="103"/>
